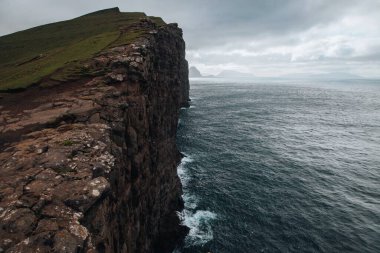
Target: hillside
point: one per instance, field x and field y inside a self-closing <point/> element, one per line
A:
<point x="58" y="51"/>
<point x="89" y="163"/>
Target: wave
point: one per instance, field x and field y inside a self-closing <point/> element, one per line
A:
<point x="198" y="221"/>
<point x="191" y="201"/>
<point x="182" y="172"/>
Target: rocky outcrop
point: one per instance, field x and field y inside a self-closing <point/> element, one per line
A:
<point x="194" y="72"/>
<point x="90" y="165"/>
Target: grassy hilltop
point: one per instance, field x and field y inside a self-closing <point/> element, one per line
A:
<point x="58" y="50"/>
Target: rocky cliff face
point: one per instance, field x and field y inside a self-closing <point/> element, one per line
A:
<point x="90" y="165"/>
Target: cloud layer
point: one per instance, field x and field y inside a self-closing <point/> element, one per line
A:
<point x="265" y="37"/>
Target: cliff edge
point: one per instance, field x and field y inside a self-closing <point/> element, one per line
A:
<point x="88" y="162"/>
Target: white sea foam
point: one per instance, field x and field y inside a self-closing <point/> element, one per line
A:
<point x="191" y="201"/>
<point x="182" y="171"/>
<point x="198" y="221"/>
<point x="186" y="159"/>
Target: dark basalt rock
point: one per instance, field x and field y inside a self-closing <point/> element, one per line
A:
<point x="90" y="166"/>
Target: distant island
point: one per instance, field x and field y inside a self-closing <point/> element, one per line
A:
<point x="195" y="73"/>
<point x="322" y="76"/>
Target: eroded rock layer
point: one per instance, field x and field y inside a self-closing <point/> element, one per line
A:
<point x="90" y="165"/>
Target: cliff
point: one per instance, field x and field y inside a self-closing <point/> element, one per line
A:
<point x="88" y="163"/>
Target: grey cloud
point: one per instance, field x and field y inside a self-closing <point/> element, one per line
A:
<point x="206" y="23"/>
<point x="272" y="33"/>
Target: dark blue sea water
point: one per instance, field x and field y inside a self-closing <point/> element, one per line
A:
<point x="281" y="167"/>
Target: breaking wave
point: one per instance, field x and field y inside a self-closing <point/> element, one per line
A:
<point x="198" y="221"/>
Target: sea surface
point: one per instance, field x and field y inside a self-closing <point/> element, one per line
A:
<point x="281" y="166"/>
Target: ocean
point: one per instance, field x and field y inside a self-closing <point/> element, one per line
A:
<point x="281" y="166"/>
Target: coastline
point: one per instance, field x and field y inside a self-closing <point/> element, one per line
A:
<point x="92" y="163"/>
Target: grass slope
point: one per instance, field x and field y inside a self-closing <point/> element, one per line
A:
<point x="28" y="56"/>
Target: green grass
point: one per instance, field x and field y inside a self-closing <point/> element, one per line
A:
<point x="59" y="50"/>
<point x="67" y="143"/>
<point x="126" y="38"/>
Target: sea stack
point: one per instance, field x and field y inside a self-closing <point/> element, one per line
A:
<point x="88" y="138"/>
<point x="194" y="72"/>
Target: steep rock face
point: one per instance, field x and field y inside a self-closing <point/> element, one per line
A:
<point x="194" y="72"/>
<point x="90" y="166"/>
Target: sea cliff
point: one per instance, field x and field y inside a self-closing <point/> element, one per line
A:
<point x="88" y="163"/>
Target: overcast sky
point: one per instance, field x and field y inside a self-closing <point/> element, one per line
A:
<point x="264" y="37"/>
